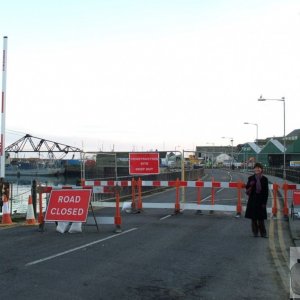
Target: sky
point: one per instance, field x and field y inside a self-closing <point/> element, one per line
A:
<point x="137" y="75"/>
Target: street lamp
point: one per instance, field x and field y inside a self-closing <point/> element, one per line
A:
<point x="231" y="140"/>
<point x="248" y="123"/>
<point x="212" y="155"/>
<point x="284" y="142"/>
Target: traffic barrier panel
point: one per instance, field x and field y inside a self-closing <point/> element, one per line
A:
<point x="6" y="218"/>
<point x="30" y="218"/>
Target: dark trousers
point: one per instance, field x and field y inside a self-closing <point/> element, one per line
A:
<point x="258" y="226"/>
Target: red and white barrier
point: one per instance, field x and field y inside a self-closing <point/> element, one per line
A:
<point x="158" y="183"/>
<point x="113" y="186"/>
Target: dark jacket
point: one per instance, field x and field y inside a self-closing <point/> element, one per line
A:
<point x="256" y="205"/>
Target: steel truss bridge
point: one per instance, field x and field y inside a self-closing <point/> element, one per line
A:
<point x="29" y="143"/>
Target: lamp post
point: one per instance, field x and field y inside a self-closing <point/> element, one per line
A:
<point x="231" y="140"/>
<point x="284" y="142"/>
<point x="212" y="156"/>
<point x="248" y="123"/>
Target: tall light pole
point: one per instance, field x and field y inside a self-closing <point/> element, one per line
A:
<point x="3" y="110"/>
<point x="284" y="142"/>
<point x="212" y="156"/>
<point x="248" y="123"/>
<point x="231" y="140"/>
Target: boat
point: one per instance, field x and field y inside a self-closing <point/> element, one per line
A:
<point x="34" y="168"/>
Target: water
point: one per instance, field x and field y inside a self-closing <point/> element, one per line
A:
<point x="21" y="190"/>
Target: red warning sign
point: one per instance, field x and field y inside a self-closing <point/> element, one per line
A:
<point x="144" y="163"/>
<point x="68" y="205"/>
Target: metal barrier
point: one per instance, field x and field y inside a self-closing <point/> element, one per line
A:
<point x="178" y="206"/>
<point x="137" y="205"/>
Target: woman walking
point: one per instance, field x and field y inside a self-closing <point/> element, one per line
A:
<point x="257" y="189"/>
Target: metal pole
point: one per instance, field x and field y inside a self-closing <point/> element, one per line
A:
<point x="284" y="142"/>
<point x="256" y="134"/>
<point x="182" y="177"/>
<point x="256" y="141"/>
<point x="247" y="123"/>
<point x="232" y="150"/>
<point x="2" y="146"/>
<point x="284" y="139"/>
<point x="116" y="167"/>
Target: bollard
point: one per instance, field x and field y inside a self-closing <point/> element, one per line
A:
<point x="33" y="194"/>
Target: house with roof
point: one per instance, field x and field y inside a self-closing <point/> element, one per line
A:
<point x="293" y="153"/>
<point x="271" y="155"/>
<point x="249" y="152"/>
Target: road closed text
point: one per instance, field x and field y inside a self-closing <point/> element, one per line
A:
<point x="68" y="205"/>
<point x="68" y="199"/>
<point x="67" y="211"/>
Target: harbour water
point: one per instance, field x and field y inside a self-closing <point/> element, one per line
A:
<point x="21" y="189"/>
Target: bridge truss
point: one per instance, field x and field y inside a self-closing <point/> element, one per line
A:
<point x="29" y="143"/>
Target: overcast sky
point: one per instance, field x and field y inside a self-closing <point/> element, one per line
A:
<point x="140" y="75"/>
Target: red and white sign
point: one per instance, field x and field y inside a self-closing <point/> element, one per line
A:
<point x="144" y="163"/>
<point x="68" y="205"/>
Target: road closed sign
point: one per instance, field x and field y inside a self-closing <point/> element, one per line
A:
<point x="68" y="205"/>
<point x="144" y="163"/>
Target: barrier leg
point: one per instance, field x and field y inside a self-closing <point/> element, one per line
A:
<point x="274" y="207"/>
<point x="177" y="203"/>
<point x="285" y="205"/>
<point x="133" y="185"/>
<point x="140" y="203"/>
<point x="239" y="201"/>
<point x="199" y="211"/>
<point x="212" y="195"/>
<point x="118" y="220"/>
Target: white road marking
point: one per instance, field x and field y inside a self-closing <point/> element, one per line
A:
<point x="77" y="248"/>
<point x="165" y="217"/>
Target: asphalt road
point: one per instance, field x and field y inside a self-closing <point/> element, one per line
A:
<point x="158" y="255"/>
